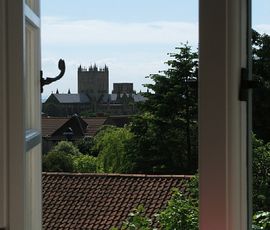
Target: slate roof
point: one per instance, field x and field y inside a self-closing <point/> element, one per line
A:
<point x="101" y="201"/>
<point x="136" y="97"/>
<point x="71" y="98"/>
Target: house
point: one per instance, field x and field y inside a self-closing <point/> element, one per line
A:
<point x="55" y="129"/>
<point x="102" y="201"/>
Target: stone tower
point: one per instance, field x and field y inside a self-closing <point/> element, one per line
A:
<point x="94" y="82"/>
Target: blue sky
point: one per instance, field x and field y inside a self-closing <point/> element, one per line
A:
<point x="131" y="37"/>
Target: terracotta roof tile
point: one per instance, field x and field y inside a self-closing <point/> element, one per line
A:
<point x="100" y="201"/>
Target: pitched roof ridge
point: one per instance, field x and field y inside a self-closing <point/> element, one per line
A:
<point x="115" y="175"/>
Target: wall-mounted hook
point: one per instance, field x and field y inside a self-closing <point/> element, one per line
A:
<point x="49" y="80"/>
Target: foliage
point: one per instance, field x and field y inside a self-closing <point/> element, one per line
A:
<point x="136" y="220"/>
<point x="57" y="162"/>
<point x="261" y="175"/>
<point x="65" y="157"/>
<point x="181" y="212"/>
<point x="261" y="220"/>
<point x="84" y="164"/>
<point x="112" y="143"/>
<point x="85" y="146"/>
<point x="66" y="147"/>
<point x="261" y="95"/>
<point x="166" y="130"/>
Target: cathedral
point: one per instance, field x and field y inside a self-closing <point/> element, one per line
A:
<point x="93" y="96"/>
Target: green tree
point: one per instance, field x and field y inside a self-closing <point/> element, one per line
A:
<point x="112" y="143"/>
<point x="66" y="147"/>
<point x="261" y="175"/>
<point x="261" y="95"/>
<point x="60" y="158"/>
<point x="261" y="221"/>
<point x="136" y="220"/>
<point x="57" y="162"/>
<point x="85" y="146"/>
<point x="84" y="164"/>
<point x="166" y="131"/>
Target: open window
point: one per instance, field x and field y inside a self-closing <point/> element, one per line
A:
<point x="20" y="194"/>
<point x="223" y="161"/>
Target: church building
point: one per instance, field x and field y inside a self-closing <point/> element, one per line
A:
<point x="93" y="96"/>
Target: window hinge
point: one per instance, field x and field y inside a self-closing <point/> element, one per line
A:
<point x="246" y="85"/>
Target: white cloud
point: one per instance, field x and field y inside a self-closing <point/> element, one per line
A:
<point x="263" y="28"/>
<point x="61" y="31"/>
<point x="125" y="47"/>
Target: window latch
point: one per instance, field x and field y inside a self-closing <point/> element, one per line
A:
<point x="49" y="80"/>
<point x="246" y="85"/>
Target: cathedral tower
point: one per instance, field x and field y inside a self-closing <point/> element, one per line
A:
<point x="94" y="82"/>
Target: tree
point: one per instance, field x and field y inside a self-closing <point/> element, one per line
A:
<point x="85" y="146"/>
<point x="57" y="162"/>
<point x="60" y="158"/>
<point x="181" y="213"/>
<point x="136" y="220"/>
<point x="261" y="95"/>
<point x="261" y="175"/>
<point x="111" y="143"/>
<point x="166" y="131"/>
<point x="66" y="147"/>
<point x="84" y="164"/>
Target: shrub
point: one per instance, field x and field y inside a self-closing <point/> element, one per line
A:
<point x="261" y="175"/>
<point x="60" y="158"/>
<point x="136" y="220"/>
<point x="57" y="162"/>
<point x="66" y="147"/>
<point x="261" y="220"/>
<point x="84" y="164"/>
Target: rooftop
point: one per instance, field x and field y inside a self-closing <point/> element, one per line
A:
<point x="101" y="201"/>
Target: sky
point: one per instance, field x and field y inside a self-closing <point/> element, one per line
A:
<point x="132" y="37"/>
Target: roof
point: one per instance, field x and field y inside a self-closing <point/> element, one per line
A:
<point x="119" y="121"/>
<point x="72" y="98"/>
<point x="51" y="124"/>
<point x="76" y="125"/>
<point x="136" y="97"/>
<point x="101" y="201"/>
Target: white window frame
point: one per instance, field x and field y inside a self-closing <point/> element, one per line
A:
<point x="222" y="117"/>
<point x="20" y="141"/>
